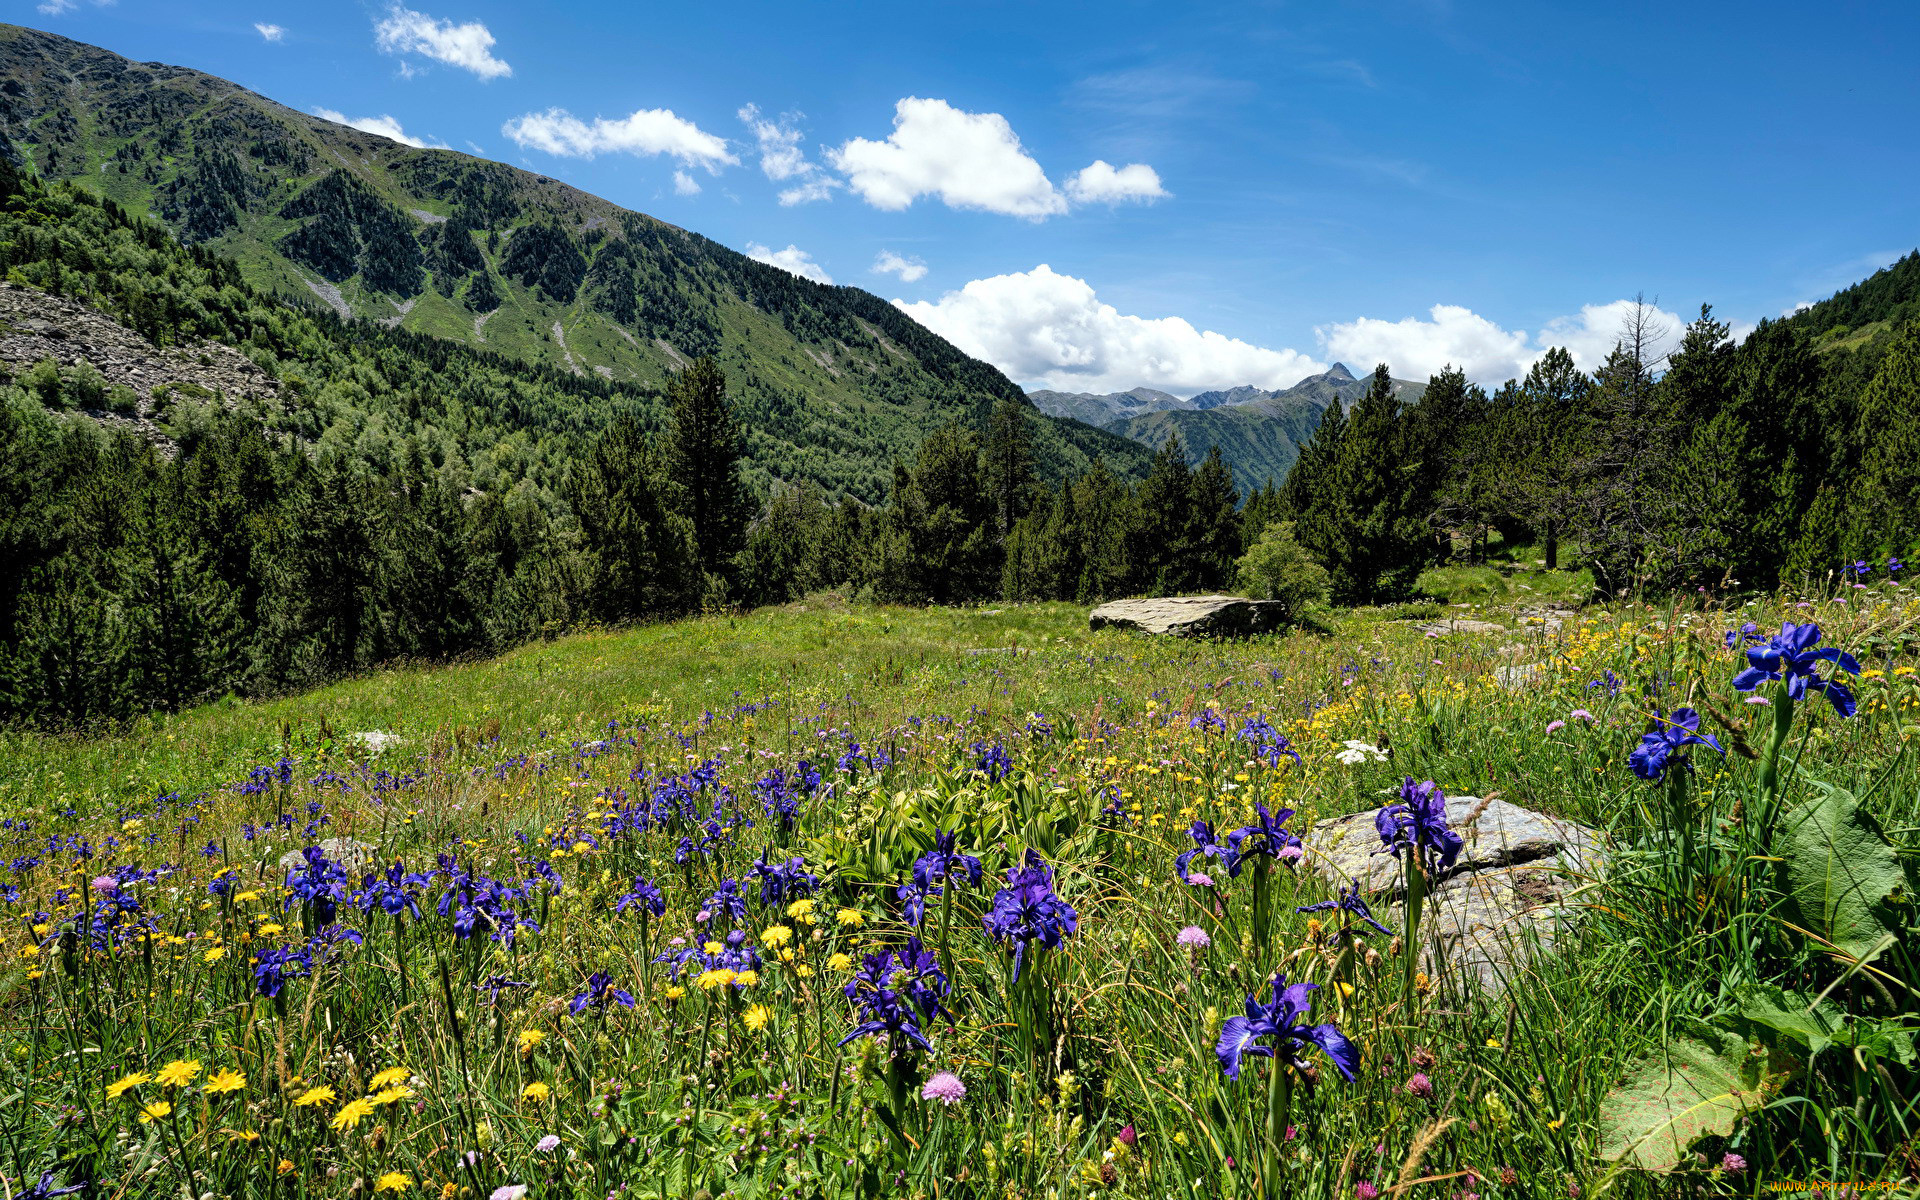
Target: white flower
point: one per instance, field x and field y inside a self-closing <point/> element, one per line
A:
<point x="1359" y="752"/>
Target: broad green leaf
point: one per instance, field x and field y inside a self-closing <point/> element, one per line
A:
<point x="1696" y="1088"/>
<point x="1838" y="873"/>
<point x="1787" y="1013"/>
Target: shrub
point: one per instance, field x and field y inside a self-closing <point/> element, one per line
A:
<point x="1279" y="568"/>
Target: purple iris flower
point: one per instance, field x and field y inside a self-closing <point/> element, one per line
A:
<point x="887" y="1013"/>
<point x="396" y="891"/>
<point x="318" y="883"/>
<point x="1348" y="901"/>
<point x="274" y="966"/>
<point x="44" y="1190"/>
<point x="597" y="991"/>
<point x="1894" y="567"/>
<point x="1028" y="911"/>
<point x="992" y="760"/>
<point x="780" y="882"/>
<point x="911" y="970"/>
<point x="728" y="899"/>
<point x="1747" y="634"/>
<point x="1268" y="835"/>
<point x="1861" y="568"/>
<point x="644" y="894"/>
<point x="1280" y="1021"/>
<point x="1419" y="824"/>
<point x="1649" y="758"/>
<point x="1791" y="655"/>
<point x="1202" y="834"/>
<point x="945" y="862"/>
<point x="1608" y="680"/>
<point x="1269" y="743"/>
<point x="493" y="985"/>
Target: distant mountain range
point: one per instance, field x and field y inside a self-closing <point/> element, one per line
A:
<point x="1259" y="432"/>
<point x="832" y="384"/>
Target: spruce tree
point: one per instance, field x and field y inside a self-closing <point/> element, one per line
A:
<point x="1213" y="537"/>
<point x="705" y="450"/>
<point x="1160" y="546"/>
<point x="1008" y="461"/>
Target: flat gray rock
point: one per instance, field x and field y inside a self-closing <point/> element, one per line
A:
<point x="1445" y="628"/>
<point x="1499" y="904"/>
<point x="374" y="741"/>
<point x="351" y="854"/>
<point x="1191" y="616"/>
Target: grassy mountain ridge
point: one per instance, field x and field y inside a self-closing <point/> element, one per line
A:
<point x="831" y="383"/>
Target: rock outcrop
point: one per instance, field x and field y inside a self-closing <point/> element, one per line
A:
<point x="352" y="855"/>
<point x="1499" y="905"/>
<point x="1192" y="616"/>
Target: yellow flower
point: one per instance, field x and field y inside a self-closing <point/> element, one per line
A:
<point x="712" y="948"/>
<point x="803" y="971"/>
<point x="215" y="954"/>
<point x="710" y="980"/>
<point x="226" y="1079"/>
<point x="746" y="979"/>
<point x="243" y="897"/>
<point x="840" y="962"/>
<point x="179" y="1072"/>
<point x="756" y="1017"/>
<point x="1493" y="1043"/>
<point x="393" y="1181"/>
<point x="399" y="1091"/>
<point x="388" y="1078"/>
<point x="850" y="917"/>
<point x="241" y="1135"/>
<point x="313" y="1096"/>
<point x="535" y="1091"/>
<point x="776" y="936"/>
<point x="675" y="992"/>
<point x="529" y="1038"/>
<point x="801" y="911"/>
<point x="268" y="930"/>
<point x="351" y="1112"/>
<point x="126" y="1083"/>
<point x="154" y="1111"/>
<point x="286" y="1166"/>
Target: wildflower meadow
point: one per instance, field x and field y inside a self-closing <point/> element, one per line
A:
<point x="866" y="901"/>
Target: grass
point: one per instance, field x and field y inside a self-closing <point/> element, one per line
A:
<point x="550" y="778"/>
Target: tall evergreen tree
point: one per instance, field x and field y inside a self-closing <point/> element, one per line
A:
<point x="1008" y="462"/>
<point x="1213" y="536"/>
<point x="644" y="560"/>
<point x="1161" y="546"/>
<point x="705" y="450"/>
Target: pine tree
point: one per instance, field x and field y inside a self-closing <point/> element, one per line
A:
<point x="1008" y="463"/>
<point x="1160" y="546"/>
<point x="1885" y="499"/>
<point x="705" y="450"/>
<point x="641" y="546"/>
<point x="1213" y="536"/>
<point x="1103" y="509"/>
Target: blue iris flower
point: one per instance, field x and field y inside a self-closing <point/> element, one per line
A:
<point x="1028" y="911"/>
<point x="596" y="992"/>
<point x="644" y="894"/>
<point x="887" y="1013"/>
<point x="1268" y="835"/>
<point x="1791" y="655"/>
<point x="1418" y="824"/>
<point x="1280" y="1020"/>
<point x="1649" y="758"/>
<point x="1204" y="844"/>
<point x="1348" y="901"/>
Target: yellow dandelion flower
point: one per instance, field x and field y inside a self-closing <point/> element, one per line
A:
<point x="840" y="962"/>
<point x="226" y="1079"/>
<point x="154" y="1111"/>
<point x="285" y="1167"/>
<point x="215" y="954"/>
<point x="241" y="1135"/>
<point x="801" y="911"/>
<point x="351" y="1113"/>
<point x="388" y="1078"/>
<point x="269" y="929"/>
<point x="756" y="1017"/>
<point x="529" y="1038"/>
<point x="712" y="948"/>
<point x="746" y="979"/>
<point x="776" y="936"/>
<point x="850" y="917"/>
<point x="313" y="1096"/>
<point x="178" y="1073"/>
<point x="803" y="971"/>
<point x="675" y="992"/>
<point x="126" y="1083"/>
<point x="393" y="1181"/>
<point x="710" y="980"/>
<point x="394" y="1094"/>
<point x="243" y="897"/>
<point x="535" y="1091"/>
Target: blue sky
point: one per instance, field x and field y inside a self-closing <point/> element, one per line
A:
<point x="1095" y="196"/>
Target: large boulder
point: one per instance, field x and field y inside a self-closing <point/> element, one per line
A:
<point x="1192" y="616"/>
<point x="1501" y="902"/>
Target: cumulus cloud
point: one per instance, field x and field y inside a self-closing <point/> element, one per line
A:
<point x="648" y="131"/>
<point x="271" y="33"/>
<point x="1453" y="335"/>
<point x="685" y="184"/>
<point x="1045" y="328"/>
<point x="968" y="160"/>
<point x="907" y="267"/>
<point x="55" y="8"/>
<point x="783" y="161"/>
<point x="468" y="46"/>
<point x="1103" y="183"/>
<point x="383" y="125"/>
<point x="793" y="259"/>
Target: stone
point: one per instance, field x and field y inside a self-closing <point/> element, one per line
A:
<point x="1456" y="625"/>
<point x="374" y="741"/>
<point x="1191" y="616"/>
<point x="1517" y="677"/>
<point x="1499" y="905"/>
<point x="351" y="854"/>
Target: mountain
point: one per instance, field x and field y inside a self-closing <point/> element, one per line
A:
<point x="1862" y="312"/>
<point x="832" y="384"/>
<point x="1103" y="410"/>
<point x="1259" y="432"/>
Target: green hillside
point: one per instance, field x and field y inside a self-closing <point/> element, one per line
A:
<point x="831" y="383"/>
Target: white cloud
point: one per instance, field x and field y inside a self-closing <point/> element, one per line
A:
<point x="968" y="160"/>
<point x="271" y="33"/>
<point x="383" y="125"/>
<point x="1453" y="335"/>
<point x="782" y="160"/>
<point x="1042" y="327"/>
<point x="907" y="267"/>
<point x="648" y="131"/>
<point x="469" y="46"/>
<point x="1103" y="183"/>
<point x="55" y="8"/>
<point x="685" y="184"/>
<point x="793" y="259"/>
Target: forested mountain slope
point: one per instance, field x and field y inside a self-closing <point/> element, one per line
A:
<point x="831" y="383"/>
